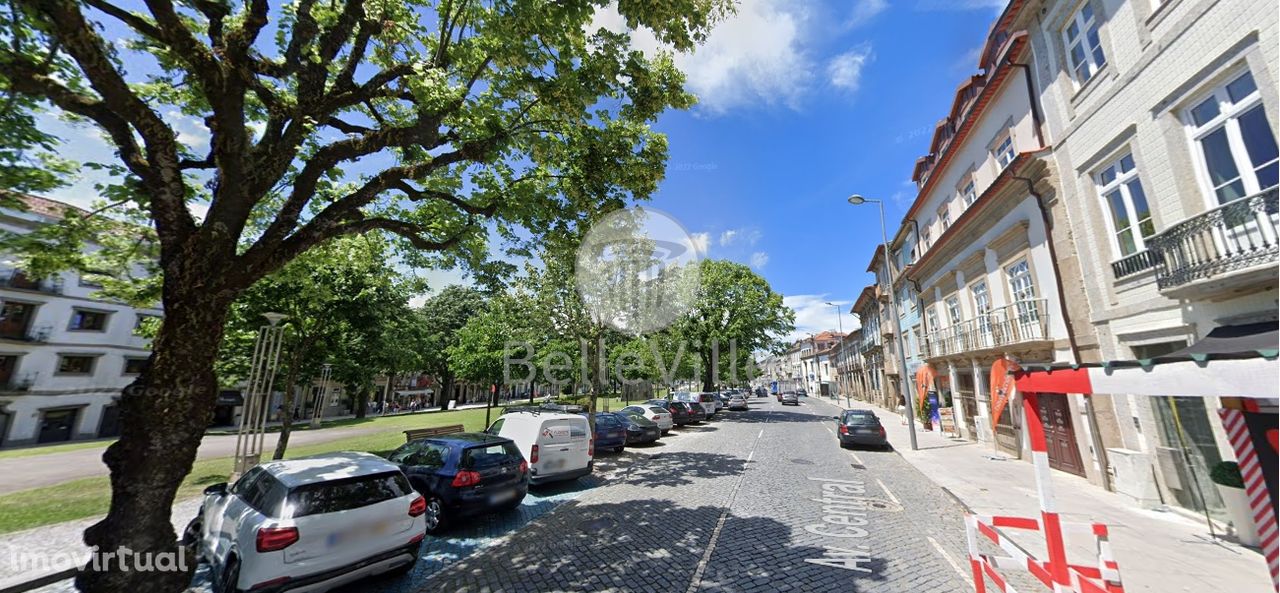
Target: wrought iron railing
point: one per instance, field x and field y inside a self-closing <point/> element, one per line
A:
<point x="1234" y="236"/>
<point x="1020" y="322"/>
<point x="1138" y="262"/>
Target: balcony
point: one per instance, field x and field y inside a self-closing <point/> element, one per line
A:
<point x="1228" y="249"/>
<point x="1023" y="322"/>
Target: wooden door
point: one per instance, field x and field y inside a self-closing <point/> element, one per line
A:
<point x="6" y="370"/>
<point x="56" y="425"/>
<point x="1059" y="433"/>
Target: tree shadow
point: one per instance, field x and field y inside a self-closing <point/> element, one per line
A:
<point x="680" y="468"/>
<point x="637" y="545"/>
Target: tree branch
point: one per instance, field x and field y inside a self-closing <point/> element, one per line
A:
<point x="134" y="21"/>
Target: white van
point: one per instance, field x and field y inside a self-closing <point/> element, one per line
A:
<point x="705" y="399"/>
<point x="557" y="446"/>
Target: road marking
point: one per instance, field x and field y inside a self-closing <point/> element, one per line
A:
<point x="696" y="582"/>
<point x="946" y="556"/>
<point x="828" y="428"/>
<point x="855" y="458"/>
<point x="887" y="492"/>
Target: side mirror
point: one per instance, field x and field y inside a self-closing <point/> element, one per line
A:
<point x="836" y="418"/>
<point x="218" y="489"/>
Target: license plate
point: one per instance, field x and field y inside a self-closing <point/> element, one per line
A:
<point x="501" y="497"/>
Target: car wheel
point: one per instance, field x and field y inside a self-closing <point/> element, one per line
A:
<point x="230" y="577"/>
<point x="191" y="537"/>
<point x="434" y="515"/>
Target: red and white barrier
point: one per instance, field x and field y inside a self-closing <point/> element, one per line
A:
<point x="1057" y="573"/>
<point x="1255" y="487"/>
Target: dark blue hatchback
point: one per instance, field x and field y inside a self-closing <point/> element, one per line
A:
<point x="611" y="433"/>
<point x="464" y="474"/>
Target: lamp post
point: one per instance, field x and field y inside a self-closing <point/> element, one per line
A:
<point x="262" y="373"/>
<point x="858" y="200"/>
<point x="840" y="325"/>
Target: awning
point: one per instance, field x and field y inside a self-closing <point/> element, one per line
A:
<point x="1260" y="338"/>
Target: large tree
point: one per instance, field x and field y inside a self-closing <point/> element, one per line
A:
<point x="422" y="119"/>
<point x="440" y="319"/>
<point x="735" y="313"/>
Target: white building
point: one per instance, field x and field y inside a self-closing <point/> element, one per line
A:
<point x="64" y="354"/>
<point x="1162" y="118"/>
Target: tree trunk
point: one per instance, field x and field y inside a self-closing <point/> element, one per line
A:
<point x="362" y="400"/>
<point x="708" y="373"/>
<point x="164" y="414"/>
<point x="446" y="390"/>
<point x="290" y="386"/>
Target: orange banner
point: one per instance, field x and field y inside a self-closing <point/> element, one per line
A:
<point x="924" y="382"/>
<point x="1001" y="387"/>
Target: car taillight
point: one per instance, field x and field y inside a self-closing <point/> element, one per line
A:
<point x="524" y="466"/>
<point x="591" y="447"/>
<point x="881" y="431"/>
<point x="271" y="539"/>
<point x="466" y="478"/>
<point x="533" y="454"/>
<point x="844" y="429"/>
<point x="418" y="506"/>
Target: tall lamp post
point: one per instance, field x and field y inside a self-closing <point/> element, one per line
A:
<point x="840" y="325"/>
<point x="858" y="200"/>
<point x="262" y="373"/>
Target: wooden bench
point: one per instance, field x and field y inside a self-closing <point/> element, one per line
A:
<point x="422" y="433"/>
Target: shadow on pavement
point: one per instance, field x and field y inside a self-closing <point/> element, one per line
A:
<point x="681" y="468"/>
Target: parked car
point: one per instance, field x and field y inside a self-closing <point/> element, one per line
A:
<point x="860" y="427"/>
<point x="611" y="433"/>
<point x="683" y="413"/>
<point x="658" y="415"/>
<point x="760" y="392"/>
<point x="780" y="394"/>
<point x="640" y="430"/>
<point x="313" y="522"/>
<point x="557" y="446"/>
<point x="721" y="400"/>
<point x="701" y="399"/>
<point x="738" y="402"/>
<point x="464" y="474"/>
<point x="790" y="399"/>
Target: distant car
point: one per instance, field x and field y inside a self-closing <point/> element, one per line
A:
<point x="802" y="393"/>
<point x="780" y="394"/>
<point x="790" y="399"/>
<point x="738" y="402"/>
<point x="683" y="413"/>
<point x="464" y="474"/>
<point x="611" y="433"/>
<point x="760" y="392"/>
<point x="640" y="430"/>
<point x="860" y="427"/>
<point x="313" y="522"/>
<point x="658" y="415"/>
<point x="557" y="446"/>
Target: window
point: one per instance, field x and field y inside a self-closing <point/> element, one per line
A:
<point x="1235" y="144"/>
<point x="1124" y="198"/>
<point x="944" y="216"/>
<point x="421" y="453"/>
<point x="982" y="310"/>
<point x="75" y="364"/>
<point x="344" y="495"/>
<point x="968" y="194"/>
<point x="1003" y="151"/>
<point x="1084" y="48"/>
<point x="953" y="310"/>
<point x="926" y="238"/>
<point x="1021" y="286"/>
<point x="931" y="319"/>
<point x="134" y="365"/>
<point x="87" y="320"/>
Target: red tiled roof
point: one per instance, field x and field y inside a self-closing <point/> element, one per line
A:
<point x="45" y="206"/>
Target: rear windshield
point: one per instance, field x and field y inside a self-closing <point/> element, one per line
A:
<point x="494" y="455"/>
<point x="861" y="420"/>
<point x="657" y="410"/>
<point x="343" y="495"/>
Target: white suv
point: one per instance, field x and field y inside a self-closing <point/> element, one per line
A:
<point x="309" y="524"/>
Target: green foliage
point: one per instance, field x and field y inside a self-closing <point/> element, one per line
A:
<point x="1227" y="473"/>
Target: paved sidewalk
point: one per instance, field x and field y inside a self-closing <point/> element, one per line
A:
<point x="1158" y="552"/>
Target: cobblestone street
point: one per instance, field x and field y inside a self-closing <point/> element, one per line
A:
<point x="735" y="505"/>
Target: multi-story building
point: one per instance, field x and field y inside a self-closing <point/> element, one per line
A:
<point x="816" y="362"/>
<point x="876" y="357"/>
<point x="849" y="370"/>
<point x="65" y="353"/>
<point x="992" y="276"/>
<point x="1162" y="117"/>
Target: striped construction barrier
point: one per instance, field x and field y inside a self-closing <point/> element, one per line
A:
<point x="1255" y="487"/>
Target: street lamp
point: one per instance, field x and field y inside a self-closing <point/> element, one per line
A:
<point x="257" y="403"/>
<point x="858" y="200"/>
<point x="840" y="325"/>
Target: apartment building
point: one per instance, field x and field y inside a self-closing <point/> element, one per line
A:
<point x="850" y="379"/>
<point x="1162" y="117"/>
<point x="991" y="264"/>
<point x="879" y="358"/>
<point x="65" y="354"/>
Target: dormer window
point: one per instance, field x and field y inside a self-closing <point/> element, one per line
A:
<point x="1003" y="151"/>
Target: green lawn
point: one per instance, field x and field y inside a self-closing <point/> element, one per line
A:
<point x="46" y="449"/>
<point x="90" y="497"/>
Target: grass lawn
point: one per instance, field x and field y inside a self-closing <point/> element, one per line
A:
<point x="91" y="497"/>
<point x="45" y="449"/>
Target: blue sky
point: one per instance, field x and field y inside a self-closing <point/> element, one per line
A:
<point x="802" y="102"/>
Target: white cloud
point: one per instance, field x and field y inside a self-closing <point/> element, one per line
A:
<point x="814" y="315"/>
<point x="845" y="70"/>
<point x="191" y="131"/>
<point x="727" y="237"/>
<point x="759" y="260"/>
<point x="755" y="56"/>
<point x="865" y="10"/>
<point x="700" y="242"/>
